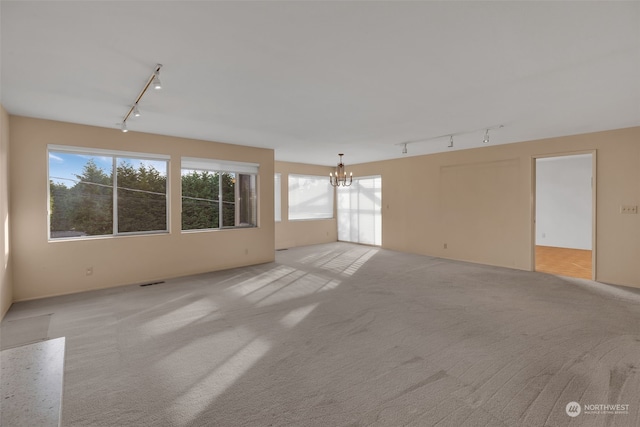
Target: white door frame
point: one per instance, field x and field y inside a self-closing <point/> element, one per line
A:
<point x="593" y="204"/>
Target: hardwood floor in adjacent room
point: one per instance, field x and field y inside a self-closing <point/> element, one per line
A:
<point x="564" y="261"/>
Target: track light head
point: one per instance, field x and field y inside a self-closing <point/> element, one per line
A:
<point x="404" y="149"/>
<point x="136" y="112"/>
<point x="123" y="127"/>
<point x="486" y="137"/>
<point x="156" y="81"/>
<point x="450" y="141"/>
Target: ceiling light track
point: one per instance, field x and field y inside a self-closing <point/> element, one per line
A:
<point x="154" y="80"/>
<point x="450" y="136"/>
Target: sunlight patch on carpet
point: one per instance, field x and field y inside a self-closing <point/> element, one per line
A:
<point x="303" y="286"/>
<point x="274" y="287"/>
<point x="178" y="318"/>
<point x="346" y="263"/>
<point x="296" y="316"/>
<point x="253" y="284"/>
<point x="330" y="285"/>
<point x="355" y="266"/>
<point x="201" y="395"/>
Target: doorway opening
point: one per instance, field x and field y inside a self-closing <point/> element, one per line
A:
<point x="564" y="224"/>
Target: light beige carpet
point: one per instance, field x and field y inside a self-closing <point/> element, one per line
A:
<point x="347" y="335"/>
<point x="27" y="330"/>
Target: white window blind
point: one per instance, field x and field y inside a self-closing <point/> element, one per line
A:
<point x="310" y="197"/>
<point x="96" y="152"/>
<point x="360" y="211"/>
<point x="213" y="165"/>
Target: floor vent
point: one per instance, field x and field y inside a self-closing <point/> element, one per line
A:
<point x="283" y="249"/>
<point x="152" y="283"/>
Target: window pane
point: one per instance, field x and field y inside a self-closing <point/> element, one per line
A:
<point x="228" y="186"/>
<point x="199" y="200"/>
<point x="247" y="200"/>
<point x="81" y="195"/>
<point x="310" y="197"/>
<point x="142" y="195"/>
<point x="360" y="211"/>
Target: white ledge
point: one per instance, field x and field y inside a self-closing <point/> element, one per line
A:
<point x="32" y="380"/>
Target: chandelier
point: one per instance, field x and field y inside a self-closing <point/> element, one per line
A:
<point x="340" y="178"/>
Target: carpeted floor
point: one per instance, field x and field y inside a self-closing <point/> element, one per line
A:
<point x="347" y="335"/>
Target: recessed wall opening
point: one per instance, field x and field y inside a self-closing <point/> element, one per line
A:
<point x="564" y="215"/>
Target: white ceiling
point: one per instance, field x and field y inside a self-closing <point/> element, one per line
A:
<point x="314" y="79"/>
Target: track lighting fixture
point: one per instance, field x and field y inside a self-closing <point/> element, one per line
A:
<point x="154" y="80"/>
<point x="340" y="178"/>
<point x="450" y="135"/>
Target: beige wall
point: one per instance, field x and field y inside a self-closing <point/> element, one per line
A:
<point x="476" y="201"/>
<point x="42" y="268"/>
<point x="290" y="234"/>
<point x="479" y="202"/>
<point x="6" y="285"/>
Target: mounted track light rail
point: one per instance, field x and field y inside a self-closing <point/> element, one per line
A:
<point x="450" y="136"/>
<point x="154" y="80"/>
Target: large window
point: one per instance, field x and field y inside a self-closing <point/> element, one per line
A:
<point x="360" y="211"/>
<point x="100" y="193"/>
<point x="310" y="197"/>
<point x="218" y="194"/>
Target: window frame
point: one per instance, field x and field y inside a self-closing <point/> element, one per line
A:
<point x="221" y="167"/>
<point x="277" y="195"/>
<point x="114" y="155"/>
